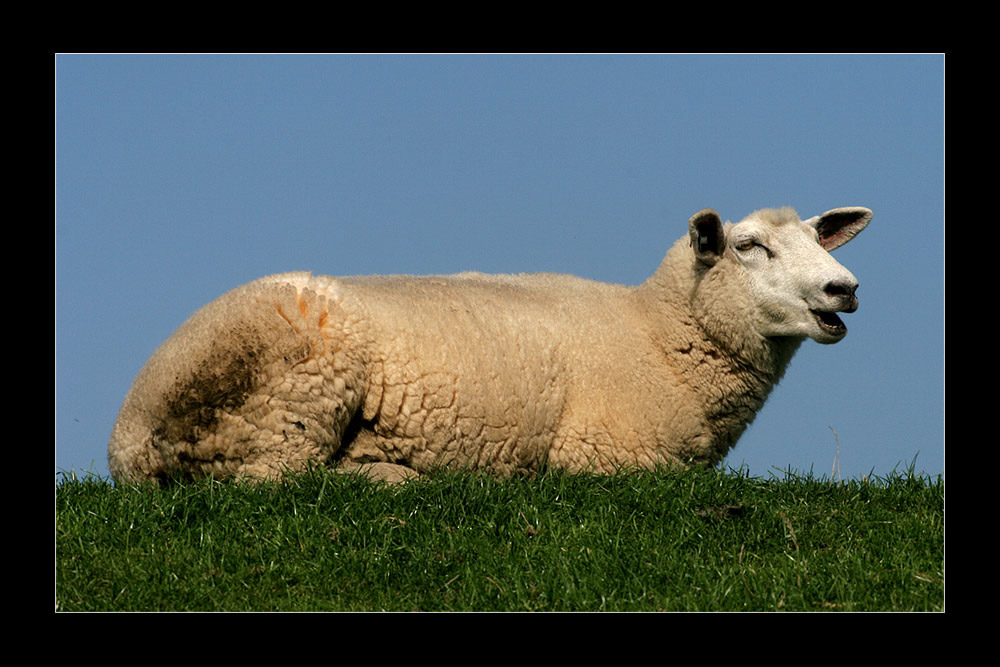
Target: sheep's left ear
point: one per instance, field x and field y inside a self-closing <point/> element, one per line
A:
<point x="840" y="225"/>
<point x="707" y="236"/>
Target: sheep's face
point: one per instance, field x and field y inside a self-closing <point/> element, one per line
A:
<point x="793" y="284"/>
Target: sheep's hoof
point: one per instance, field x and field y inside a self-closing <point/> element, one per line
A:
<point x="390" y="473"/>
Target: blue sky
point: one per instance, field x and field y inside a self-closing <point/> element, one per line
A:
<point x="179" y="177"/>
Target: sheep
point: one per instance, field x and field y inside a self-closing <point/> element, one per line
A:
<point x="396" y="375"/>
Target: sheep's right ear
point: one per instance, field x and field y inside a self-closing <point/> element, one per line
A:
<point x="840" y="225"/>
<point x="707" y="236"/>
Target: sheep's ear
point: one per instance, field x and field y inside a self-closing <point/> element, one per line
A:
<point x="840" y="225"/>
<point x="707" y="236"/>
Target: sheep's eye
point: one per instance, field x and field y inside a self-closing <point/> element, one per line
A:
<point x="749" y="244"/>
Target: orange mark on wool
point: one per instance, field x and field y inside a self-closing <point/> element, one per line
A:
<point x="282" y="313"/>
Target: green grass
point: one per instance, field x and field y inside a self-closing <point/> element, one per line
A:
<point x="674" y="540"/>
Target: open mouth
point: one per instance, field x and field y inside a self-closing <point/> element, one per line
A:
<point x="830" y="323"/>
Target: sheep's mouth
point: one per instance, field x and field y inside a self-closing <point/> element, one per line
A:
<point x="830" y="322"/>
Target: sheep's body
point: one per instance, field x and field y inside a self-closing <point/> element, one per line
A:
<point x="502" y="372"/>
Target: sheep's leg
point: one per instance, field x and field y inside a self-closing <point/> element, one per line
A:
<point x="391" y="473"/>
<point x="260" y="381"/>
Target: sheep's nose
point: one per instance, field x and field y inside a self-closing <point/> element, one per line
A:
<point x="840" y="288"/>
<point x="843" y="290"/>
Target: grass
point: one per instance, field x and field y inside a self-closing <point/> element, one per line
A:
<point x="690" y="540"/>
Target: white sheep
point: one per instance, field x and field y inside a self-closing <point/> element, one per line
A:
<point x="401" y="374"/>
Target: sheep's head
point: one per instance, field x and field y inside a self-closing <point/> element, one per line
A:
<point x="794" y="286"/>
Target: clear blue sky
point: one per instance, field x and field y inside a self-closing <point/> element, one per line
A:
<point x="180" y="177"/>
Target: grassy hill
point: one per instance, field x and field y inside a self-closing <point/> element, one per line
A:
<point x="692" y="540"/>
